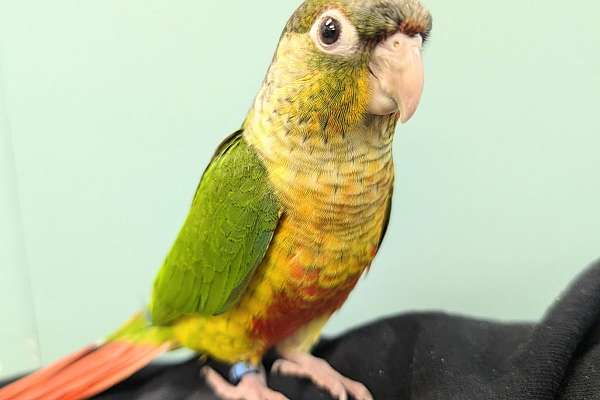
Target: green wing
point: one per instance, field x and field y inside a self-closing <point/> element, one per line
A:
<point x="225" y="237"/>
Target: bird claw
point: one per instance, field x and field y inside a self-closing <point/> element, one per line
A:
<point x="251" y="387"/>
<point x="321" y="374"/>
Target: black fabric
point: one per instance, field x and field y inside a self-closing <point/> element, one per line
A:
<point x="437" y="356"/>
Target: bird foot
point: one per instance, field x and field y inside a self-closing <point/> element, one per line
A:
<point x="321" y="374"/>
<point x="251" y="387"/>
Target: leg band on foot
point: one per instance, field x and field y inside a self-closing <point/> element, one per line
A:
<point x="241" y="369"/>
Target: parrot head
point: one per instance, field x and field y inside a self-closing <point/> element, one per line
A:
<point x="341" y="62"/>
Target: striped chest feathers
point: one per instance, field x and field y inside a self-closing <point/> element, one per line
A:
<point x="335" y="191"/>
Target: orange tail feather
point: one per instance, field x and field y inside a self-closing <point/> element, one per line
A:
<point x="85" y="373"/>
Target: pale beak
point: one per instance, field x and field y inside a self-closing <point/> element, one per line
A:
<point x="397" y="76"/>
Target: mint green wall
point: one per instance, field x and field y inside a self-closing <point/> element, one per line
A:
<point x="19" y="349"/>
<point x="114" y="108"/>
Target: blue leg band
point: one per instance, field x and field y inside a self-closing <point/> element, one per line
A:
<point x="241" y="369"/>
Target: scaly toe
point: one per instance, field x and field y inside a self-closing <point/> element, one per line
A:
<point x="251" y="387"/>
<point x="327" y="382"/>
<point x="357" y="390"/>
<point x="321" y="374"/>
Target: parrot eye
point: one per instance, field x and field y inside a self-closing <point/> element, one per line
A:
<point x="330" y="31"/>
<point x="333" y="33"/>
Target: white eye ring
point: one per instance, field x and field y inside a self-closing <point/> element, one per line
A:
<point x="346" y="44"/>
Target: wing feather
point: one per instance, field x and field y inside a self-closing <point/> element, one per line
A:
<point x="226" y="235"/>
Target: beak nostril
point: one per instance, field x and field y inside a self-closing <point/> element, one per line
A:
<point x="398" y="84"/>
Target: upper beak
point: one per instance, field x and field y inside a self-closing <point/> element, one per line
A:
<point x="397" y="76"/>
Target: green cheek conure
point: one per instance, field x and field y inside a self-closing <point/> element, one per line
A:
<point x="287" y="217"/>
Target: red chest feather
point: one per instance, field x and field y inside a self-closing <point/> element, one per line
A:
<point x="289" y="311"/>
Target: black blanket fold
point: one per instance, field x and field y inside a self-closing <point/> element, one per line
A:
<point x="437" y="356"/>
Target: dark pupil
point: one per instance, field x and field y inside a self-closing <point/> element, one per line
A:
<point x="330" y="31"/>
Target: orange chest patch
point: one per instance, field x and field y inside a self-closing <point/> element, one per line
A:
<point x="290" y="311"/>
<point x="310" y="272"/>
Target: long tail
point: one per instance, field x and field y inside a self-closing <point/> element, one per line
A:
<point x="94" y="368"/>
